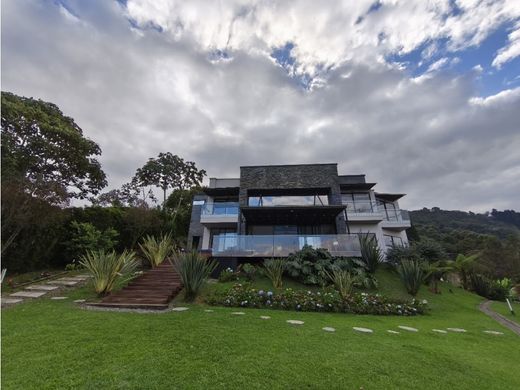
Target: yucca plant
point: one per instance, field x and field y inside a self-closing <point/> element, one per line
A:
<point x="109" y="268"/>
<point x="155" y="250"/>
<point x="194" y="270"/>
<point x="343" y="280"/>
<point x="371" y="254"/>
<point x="412" y="275"/>
<point x="274" y="269"/>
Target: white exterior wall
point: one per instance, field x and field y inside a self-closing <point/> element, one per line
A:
<point x="205" y="239"/>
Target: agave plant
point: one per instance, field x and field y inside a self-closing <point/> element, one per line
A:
<point x="155" y="250"/>
<point x="274" y="269"/>
<point x="412" y="275"/>
<point x="371" y="254"/>
<point x="109" y="268"/>
<point x="343" y="280"/>
<point x="194" y="270"/>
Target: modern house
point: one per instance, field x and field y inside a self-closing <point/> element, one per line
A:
<point x="274" y="210"/>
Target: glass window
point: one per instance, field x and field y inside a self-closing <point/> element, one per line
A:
<point x="289" y="200"/>
<point x="358" y="202"/>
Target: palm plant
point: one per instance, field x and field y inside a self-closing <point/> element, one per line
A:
<point x="434" y="272"/>
<point x="155" y="250"/>
<point x="274" y="269"/>
<point x="194" y="270"/>
<point x="109" y="268"/>
<point x="371" y="254"/>
<point x="464" y="265"/>
<point x="411" y="273"/>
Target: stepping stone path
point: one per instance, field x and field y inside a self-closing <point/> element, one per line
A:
<point x="457" y="330"/>
<point x="439" y="331"/>
<point x="41" y="287"/>
<point x="408" y="328"/>
<point x="69" y="283"/>
<point x="492" y="332"/>
<point x="362" y="330"/>
<point x="28" y="294"/>
<point x="295" y="322"/>
<point x="265" y="317"/>
<point x="393" y="332"/>
<point x="328" y="329"/>
<point x="58" y="298"/>
<point x="238" y="313"/>
<point x="80" y="300"/>
<point x="10" y="301"/>
<point x="208" y="311"/>
<point x="180" y="308"/>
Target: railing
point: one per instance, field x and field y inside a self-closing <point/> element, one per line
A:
<point x="361" y="207"/>
<point x="396" y="215"/>
<point x="223" y="208"/>
<point x="233" y="245"/>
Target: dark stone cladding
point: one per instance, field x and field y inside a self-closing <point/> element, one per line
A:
<point x="196" y="228"/>
<point x="291" y="177"/>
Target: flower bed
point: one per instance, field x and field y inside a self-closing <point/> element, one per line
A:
<point x="328" y="300"/>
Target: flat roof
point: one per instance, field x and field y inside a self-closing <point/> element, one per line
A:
<point x="285" y="165"/>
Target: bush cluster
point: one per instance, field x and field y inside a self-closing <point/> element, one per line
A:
<point x="327" y="300"/>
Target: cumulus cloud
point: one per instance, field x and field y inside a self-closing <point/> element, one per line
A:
<point x="140" y="91"/>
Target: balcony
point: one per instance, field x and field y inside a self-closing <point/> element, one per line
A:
<point x="396" y="219"/>
<point x="232" y="245"/>
<point x="361" y="211"/>
<point x="219" y="213"/>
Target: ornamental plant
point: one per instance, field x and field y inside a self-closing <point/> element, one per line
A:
<point x="274" y="269"/>
<point x="371" y="254"/>
<point x="412" y="275"/>
<point x="108" y="269"/>
<point x="155" y="250"/>
<point x="194" y="271"/>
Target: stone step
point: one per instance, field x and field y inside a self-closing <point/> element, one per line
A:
<point x="41" y="287"/>
<point x="28" y="294"/>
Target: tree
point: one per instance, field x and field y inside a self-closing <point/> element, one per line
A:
<point x="464" y="265"/>
<point x="46" y="153"/>
<point x="169" y="171"/>
<point x="129" y="195"/>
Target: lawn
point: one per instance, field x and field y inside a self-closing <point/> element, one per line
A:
<point x="502" y="308"/>
<point x="55" y="344"/>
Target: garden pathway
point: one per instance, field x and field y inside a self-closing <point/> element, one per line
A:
<point x="485" y="307"/>
<point x="38" y="290"/>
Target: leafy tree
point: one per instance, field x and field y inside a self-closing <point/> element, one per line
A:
<point x="46" y="153"/>
<point x="129" y="195"/>
<point x="169" y="171"/>
<point x="464" y="265"/>
<point x="85" y="238"/>
<point x="180" y="203"/>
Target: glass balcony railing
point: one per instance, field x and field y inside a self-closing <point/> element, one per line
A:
<point x="396" y="215"/>
<point x="221" y="208"/>
<point x="361" y="207"/>
<point x="233" y="245"/>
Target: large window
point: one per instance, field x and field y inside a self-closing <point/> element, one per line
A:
<point x="357" y="202"/>
<point x="310" y="230"/>
<point x="391" y="241"/>
<point x="227" y="236"/>
<point x="391" y="213"/>
<point x="288" y="200"/>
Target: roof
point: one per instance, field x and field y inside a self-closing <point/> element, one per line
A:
<point x="389" y="197"/>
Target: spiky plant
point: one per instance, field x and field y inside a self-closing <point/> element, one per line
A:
<point x="274" y="269"/>
<point x="343" y="280"/>
<point x="194" y="270"/>
<point x="155" y="250"/>
<point x="412" y="275"/>
<point x="371" y="254"/>
<point x="109" y="268"/>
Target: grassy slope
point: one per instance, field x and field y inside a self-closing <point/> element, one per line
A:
<point x="502" y="308"/>
<point x="53" y="344"/>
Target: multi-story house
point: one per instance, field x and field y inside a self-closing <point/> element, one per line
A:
<point x="274" y="210"/>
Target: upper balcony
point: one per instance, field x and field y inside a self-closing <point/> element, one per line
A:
<point x="219" y="213"/>
<point x="396" y="219"/>
<point x="363" y="211"/>
<point x="233" y="245"/>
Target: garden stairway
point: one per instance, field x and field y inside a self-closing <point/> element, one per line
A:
<point x="152" y="290"/>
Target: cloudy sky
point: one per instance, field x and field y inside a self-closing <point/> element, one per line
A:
<point x="421" y="96"/>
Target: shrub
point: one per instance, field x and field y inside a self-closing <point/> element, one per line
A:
<point x="85" y="237"/>
<point x="343" y="281"/>
<point x="429" y="250"/>
<point x="109" y="268"/>
<point x="397" y="254"/>
<point x="227" y="275"/>
<point x="155" y="250"/>
<point x="370" y="253"/>
<point x="194" y="270"/>
<point x="249" y="271"/>
<point x="321" y="301"/>
<point x="412" y="275"/>
<point x="309" y="265"/>
<point x="274" y="269"/>
<point x="496" y="290"/>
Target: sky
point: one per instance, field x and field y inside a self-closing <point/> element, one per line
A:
<point x="421" y="96"/>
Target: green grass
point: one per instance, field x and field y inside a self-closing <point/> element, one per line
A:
<point x="502" y="308"/>
<point x="55" y="344"/>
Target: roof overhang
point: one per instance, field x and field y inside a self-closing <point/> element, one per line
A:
<point x="389" y="197"/>
<point x="291" y="215"/>
<point x="288" y="191"/>
<point x="224" y="191"/>
<point x="357" y="186"/>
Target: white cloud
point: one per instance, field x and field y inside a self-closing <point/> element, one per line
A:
<point x="510" y="51"/>
<point x="141" y="94"/>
